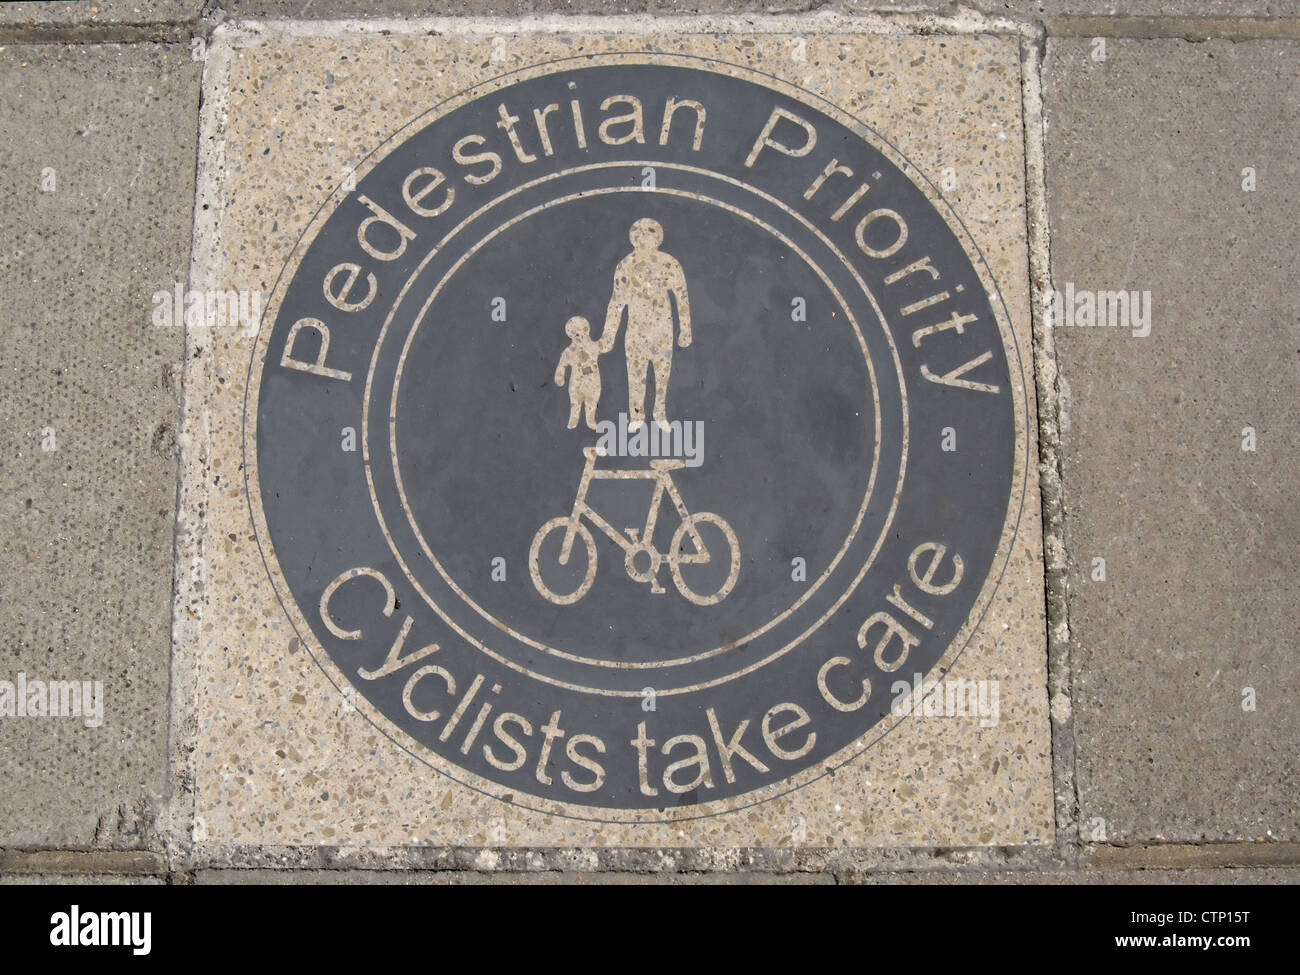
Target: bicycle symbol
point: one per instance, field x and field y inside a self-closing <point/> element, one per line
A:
<point x="642" y="560"/>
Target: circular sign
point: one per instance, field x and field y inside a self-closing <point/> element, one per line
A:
<point x="634" y="437"/>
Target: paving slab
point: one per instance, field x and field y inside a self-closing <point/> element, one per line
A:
<point x="80" y="861"/>
<point x="891" y="877"/>
<point x="1137" y="878"/>
<point x="100" y="20"/>
<point x="1024" y="9"/>
<point x="97" y="155"/>
<point x="79" y="880"/>
<point x="625" y="707"/>
<point x="1180" y="454"/>
<point x="1118" y="10"/>
<point x="404" y="9"/>
<point x="473" y="878"/>
<point x="1180" y="856"/>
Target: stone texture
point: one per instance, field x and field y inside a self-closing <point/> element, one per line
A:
<point x="320" y="9"/>
<point x="102" y="20"/>
<point x="301" y="9"/>
<point x="86" y="552"/>
<point x="1054" y="9"/>
<point x="80" y="861"/>
<point x="1177" y="856"/>
<point x="497" y="8"/>
<point x="474" y="878"/>
<point x="1145" y="193"/>
<point x="614" y="878"/>
<point x="1141" y="8"/>
<point x="1174" y="878"/>
<point x="78" y="880"/>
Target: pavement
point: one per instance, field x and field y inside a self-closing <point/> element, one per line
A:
<point x="1147" y="643"/>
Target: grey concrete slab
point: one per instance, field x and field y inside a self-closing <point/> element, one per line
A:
<point x="78" y="880"/>
<point x="315" y="9"/>
<point x="174" y="20"/>
<point x="85" y="862"/>
<point x="1141" y="8"/>
<point x="328" y="9"/>
<point x="100" y="20"/>
<point x="97" y="155"/>
<point x="921" y="877"/>
<point x="1118" y="9"/>
<point x="1190" y="856"/>
<point x="477" y="878"/>
<point x="1147" y="155"/>
<point x="1081" y="877"/>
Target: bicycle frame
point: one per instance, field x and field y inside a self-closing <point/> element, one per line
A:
<point x="637" y="542"/>
<point x="662" y="477"/>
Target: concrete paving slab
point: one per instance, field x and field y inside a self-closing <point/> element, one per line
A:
<point x="79" y="880"/>
<point x="1024" y="9"/>
<point x="1140" y="878"/>
<point x="100" y="20"/>
<point x="282" y="756"/>
<point x="1118" y="10"/>
<point x="80" y="862"/>
<point x="891" y="878"/>
<point x="472" y="878"/>
<point x="1180" y="454"/>
<point x="97" y="154"/>
<point x="1180" y="856"/>
<point x="330" y="9"/>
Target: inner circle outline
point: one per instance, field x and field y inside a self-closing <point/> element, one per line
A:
<point x="801" y="637"/>
<point x="576" y="658"/>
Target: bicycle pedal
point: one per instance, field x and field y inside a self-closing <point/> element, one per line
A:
<point x="655" y="588"/>
<point x="632" y="533"/>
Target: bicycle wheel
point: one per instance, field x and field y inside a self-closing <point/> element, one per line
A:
<point x="550" y="558"/>
<point x="713" y="534"/>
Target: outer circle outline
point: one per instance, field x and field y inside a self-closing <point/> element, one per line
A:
<point x="809" y="774"/>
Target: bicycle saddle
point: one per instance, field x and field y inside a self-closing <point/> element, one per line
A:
<point x="667" y="464"/>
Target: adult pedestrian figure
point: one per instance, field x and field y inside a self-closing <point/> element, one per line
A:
<point x="647" y="283"/>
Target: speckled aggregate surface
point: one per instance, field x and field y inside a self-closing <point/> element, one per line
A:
<point x="279" y="755"/>
<point x="89" y="405"/>
<point x="1185" y="681"/>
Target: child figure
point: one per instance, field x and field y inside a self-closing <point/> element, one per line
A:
<point x="581" y="360"/>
